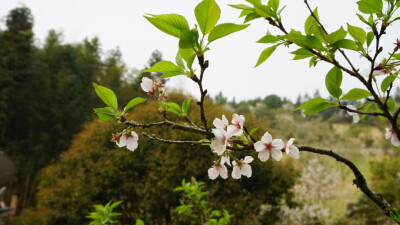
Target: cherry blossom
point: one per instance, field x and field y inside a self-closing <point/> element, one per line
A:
<point x="236" y="129"/>
<point x="355" y="115"/>
<point x="148" y="86"/>
<point x="221" y="124"/>
<point x="242" y="167"/>
<point x="226" y="159"/>
<point x="218" y="169"/>
<point x="221" y="141"/>
<point x="267" y="146"/>
<point x="128" y="139"/>
<point x="292" y="150"/>
<point x="391" y="134"/>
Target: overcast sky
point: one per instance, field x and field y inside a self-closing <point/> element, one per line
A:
<point x="232" y="59"/>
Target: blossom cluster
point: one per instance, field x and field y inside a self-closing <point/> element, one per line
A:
<point x="225" y="136"/>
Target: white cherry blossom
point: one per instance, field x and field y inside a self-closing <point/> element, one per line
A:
<point x="267" y="146"/>
<point x="226" y="159"/>
<point x="242" y="167"/>
<point x="218" y="169"/>
<point x="221" y="124"/>
<point x="355" y="115"/>
<point x="220" y="142"/>
<point x="148" y="85"/>
<point x="236" y="129"/>
<point x="128" y="139"/>
<point x="391" y="134"/>
<point x="292" y="150"/>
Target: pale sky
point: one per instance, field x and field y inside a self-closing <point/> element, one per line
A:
<point x="232" y="59"/>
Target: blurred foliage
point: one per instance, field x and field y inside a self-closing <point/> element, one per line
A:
<point x="104" y="214"/>
<point x="94" y="170"/>
<point x="386" y="181"/>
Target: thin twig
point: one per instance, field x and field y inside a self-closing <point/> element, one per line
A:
<point x="171" y="124"/>
<point x="153" y="137"/>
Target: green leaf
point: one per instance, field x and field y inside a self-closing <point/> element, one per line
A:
<point x="370" y="38"/>
<point x="301" y="53"/>
<point x="171" y="24"/>
<point x="241" y="6"/>
<point x="370" y="6"/>
<point x="107" y="95"/>
<point x="314" y="105"/>
<point x="391" y="104"/>
<point x="336" y="36"/>
<point x="225" y="29"/>
<point x="311" y="24"/>
<point x="264" y="11"/>
<point x="179" y="60"/>
<point x="207" y="15"/>
<point x="387" y="81"/>
<point x="105" y="114"/>
<point x="168" y="68"/>
<point x="313" y="61"/>
<point x="186" y="105"/>
<point x="265" y="54"/>
<point x="274" y="4"/>
<point x="139" y="222"/>
<point x="268" y="39"/>
<point x="357" y="33"/>
<point x="345" y="43"/>
<point x="187" y="39"/>
<point x="356" y="94"/>
<point x="253" y="130"/>
<point x="133" y="103"/>
<point x="362" y="19"/>
<point x="250" y="17"/>
<point x="174" y="108"/>
<point x="188" y="55"/>
<point x="304" y="41"/>
<point x="333" y="80"/>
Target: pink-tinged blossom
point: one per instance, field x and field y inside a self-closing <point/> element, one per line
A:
<point x="221" y="124"/>
<point x="267" y="146"/>
<point x="128" y="139"/>
<point x="391" y="134"/>
<point x="292" y="150"/>
<point x="355" y="115"/>
<point x="218" y="169"/>
<point x="220" y="142"/>
<point x="236" y="129"/>
<point x="226" y="159"/>
<point x="242" y="167"/>
<point x="148" y="86"/>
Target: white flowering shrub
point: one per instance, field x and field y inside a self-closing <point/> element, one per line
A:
<point x="316" y="44"/>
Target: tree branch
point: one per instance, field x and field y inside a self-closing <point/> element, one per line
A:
<point x="154" y="137"/>
<point x="171" y="124"/>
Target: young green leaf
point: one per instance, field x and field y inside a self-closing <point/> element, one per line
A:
<point x="139" y="222"/>
<point x="207" y="15"/>
<point x="174" y="108"/>
<point x="168" y="68"/>
<point x="171" y="24"/>
<point x="241" y="6"/>
<point x="179" y="60"/>
<point x="133" y="103"/>
<point x="186" y="105"/>
<point x="336" y="36"/>
<point x="188" y="55"/>
<point x="314" y="105"/>
<point x="187" y="39"/>
<point x="333" y="80"/>
<point x="313" y="61"/>
<point x="356" y="94"/>
<point x="265" y="54"/>
<point x="391" y="104"/>
<point x="345" y="43"/>
<point x="107" y="95"/>
<point x="105" y="114"/>
<point x="387" y="81"/>
<point x="268" y="39"/>
<point x="311" y="24"/>
<point x="370" y="38"/>
<point x="357" y="33"/>
<point x="250" y="17"/>
<point x="304" y="41"/>
<point x="370" y="6"/>
<point x="225" y="29"/>
<point x="301" y="53"/>
<point x="253" y="131"/>
<point x="264" y="11"/>
<point x="274" y="4"/>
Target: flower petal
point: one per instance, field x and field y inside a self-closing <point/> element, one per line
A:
<point x="248" y="159"/>
<point x="236" y="173"/>
<point x="278" y="144"/>
<point x="276" y="154"/>
<point x="259" y="146"/>
<point x="223" y="171"/>
<point x="263" y="155"/>
<point x="213" y="173"/>
<point x="131" y="143"/>
<point x="246" y="170"/>
<point x="122" y="141"/>
<point x="293" y="151"/>
<point x="266" y="138"/>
